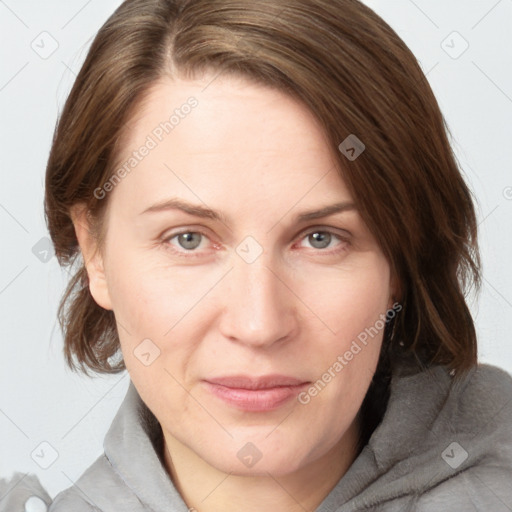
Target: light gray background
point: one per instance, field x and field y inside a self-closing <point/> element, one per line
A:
<point x="41" y="401"/>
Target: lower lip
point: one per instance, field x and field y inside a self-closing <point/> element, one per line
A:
<point x="256" y="400"/>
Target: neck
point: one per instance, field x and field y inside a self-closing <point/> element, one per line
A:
<point x="204" y="488"/>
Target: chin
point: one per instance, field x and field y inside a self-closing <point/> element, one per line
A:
<point x="257" y="455"/>
<point x="277" y="466"/>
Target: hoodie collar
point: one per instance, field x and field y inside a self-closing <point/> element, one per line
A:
<point x="130" y="448"/>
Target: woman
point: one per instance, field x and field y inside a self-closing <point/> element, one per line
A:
<point x="274" y="239"/>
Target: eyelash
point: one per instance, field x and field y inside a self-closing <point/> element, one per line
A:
<point x="344" y="241"/>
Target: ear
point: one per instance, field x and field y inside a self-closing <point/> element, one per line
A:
<point x="92" y="256"/>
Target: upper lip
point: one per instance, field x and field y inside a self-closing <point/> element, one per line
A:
<point x="249" y="382"/>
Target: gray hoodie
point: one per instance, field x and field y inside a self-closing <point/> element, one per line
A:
<point x="441" y="446"/>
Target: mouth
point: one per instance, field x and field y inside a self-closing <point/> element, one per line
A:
<point x="256" y="394"/>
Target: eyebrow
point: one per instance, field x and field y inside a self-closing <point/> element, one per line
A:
<point x="207" y="213"/>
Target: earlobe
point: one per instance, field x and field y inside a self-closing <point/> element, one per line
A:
<point x="93" y="259"/>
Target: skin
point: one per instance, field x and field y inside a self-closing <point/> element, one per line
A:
<point x="260" y="159"/>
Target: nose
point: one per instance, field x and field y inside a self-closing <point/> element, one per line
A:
<point x="258" y="308"/>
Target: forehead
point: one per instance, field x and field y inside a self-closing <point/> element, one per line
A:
<point x="222" y="103"/>
<point x="214" y="134"/>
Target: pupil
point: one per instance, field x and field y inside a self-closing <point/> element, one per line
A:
<point x="320" y="240"/>
<point x="190" y="240"/>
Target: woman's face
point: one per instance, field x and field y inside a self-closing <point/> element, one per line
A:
<point x="248" y="292"/>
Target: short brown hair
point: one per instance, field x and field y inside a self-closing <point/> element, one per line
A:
<point x="356" y="76"/>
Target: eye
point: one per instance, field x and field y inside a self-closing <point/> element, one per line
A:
<point x="192" y="242"/>
<point x="187" y="240"/>
<point x="324" y="239"/>
<point x="320" y="239"/>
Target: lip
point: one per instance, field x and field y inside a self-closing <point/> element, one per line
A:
<point x="256" y="394"/>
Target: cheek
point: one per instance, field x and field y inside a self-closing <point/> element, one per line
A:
<point x="353" y="306"/>
<point x="153" y="307"/>
<point x="150" y="297"/>
<point x="353" y="299"/>
<point x="159" y="311"/>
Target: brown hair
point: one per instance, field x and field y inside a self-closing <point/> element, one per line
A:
<point x="357" y="77"/>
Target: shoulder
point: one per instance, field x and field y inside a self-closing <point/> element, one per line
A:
<point x="79" y="497"/>
<point x="99" y="489"/>
<point x="19" y="489"/>
<point x="481" y="487"/>
<point x="490" y="375"/>
<point x="70" y="499"/>
<point x="475" y="447"/>
<point x="474" y="422"/>
<point x="482" y="401"/>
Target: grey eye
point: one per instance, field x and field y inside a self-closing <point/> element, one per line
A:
<point x="320" y="239"/>
<point x="189" y="240"/>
